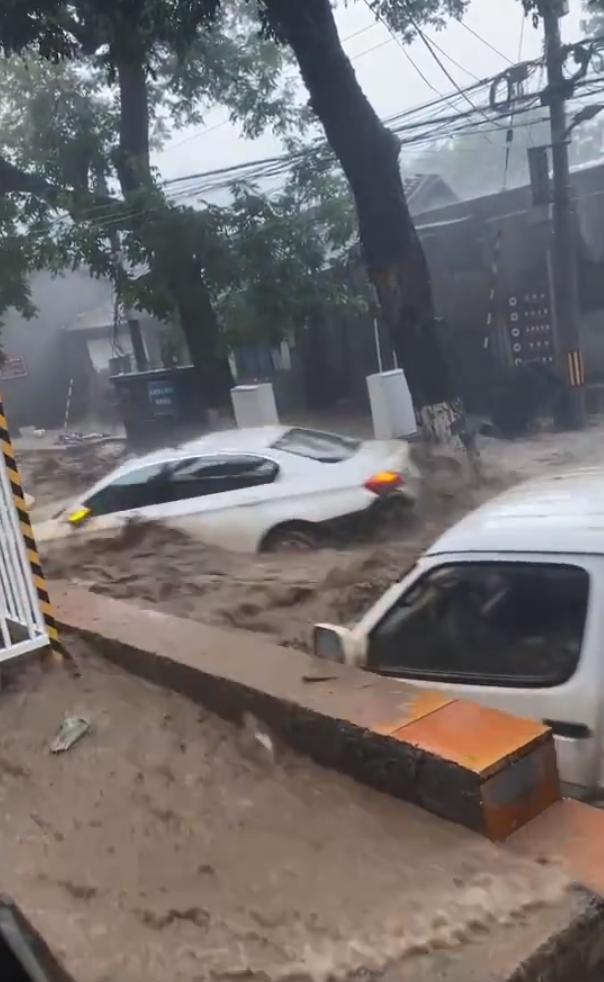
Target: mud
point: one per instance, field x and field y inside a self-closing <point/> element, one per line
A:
<point x="278" y="595"/>
<point x="285" y="595"/>
<point x="160" y="848"/>
<point x="54" y="476"/>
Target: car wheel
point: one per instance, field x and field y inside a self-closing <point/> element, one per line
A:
<point x="293" y="538"/>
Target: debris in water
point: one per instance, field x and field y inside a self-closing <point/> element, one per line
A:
<point x="71" y="730"/>
<point x="256" y="742"/>
<point x="319" y="678"/>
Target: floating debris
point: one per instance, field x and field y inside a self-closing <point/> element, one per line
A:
<point x="72" y="729"/>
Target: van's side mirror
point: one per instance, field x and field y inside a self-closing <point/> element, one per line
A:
<point x="339" y="644"/>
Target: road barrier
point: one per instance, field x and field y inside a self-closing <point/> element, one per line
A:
<point x="27" y="620"/>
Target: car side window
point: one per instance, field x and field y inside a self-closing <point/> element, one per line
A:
<point x="177" y="480"/>
<point x="215" y="474"/>
<point x="134" y="489"/>
<point x="509" y="624"/>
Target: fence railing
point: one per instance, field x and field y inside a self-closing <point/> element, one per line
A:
<point x="26" y="617"/>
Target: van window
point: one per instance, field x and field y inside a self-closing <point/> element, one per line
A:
<point x="178" y="480"/>
<point x="513" y="624"/>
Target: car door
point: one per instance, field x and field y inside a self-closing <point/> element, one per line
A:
<point x="520" y="633"/>
<point x="217" y="497"/>
<point x="140" y="493"/>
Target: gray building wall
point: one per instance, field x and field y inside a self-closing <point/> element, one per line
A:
<point x="50" y="357"/>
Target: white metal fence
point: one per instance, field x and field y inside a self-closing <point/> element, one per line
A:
<point x="22" y="623"/>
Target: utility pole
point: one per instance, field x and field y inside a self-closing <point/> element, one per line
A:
<point x="566" y="281"/>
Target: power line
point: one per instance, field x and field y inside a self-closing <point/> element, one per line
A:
<point x="415" y="132"/>
<point x="403" y="49"/>
<point x="355" y="34"/>
<point x="210" y="129"/>
<point x="446" y="55"/>
<point x="193" y="136"/>
<point x="438" y="61"/>
<point x="521" y="39"/>
<point x="368" y="51"/>
<point x="102" y="223"/>
<point x="488" y="43"/>
<point x="510" y="133"/>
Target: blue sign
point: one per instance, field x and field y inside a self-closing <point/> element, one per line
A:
<point x="162" y="396"/>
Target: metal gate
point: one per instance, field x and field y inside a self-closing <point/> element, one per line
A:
<point x="26" y="617"/>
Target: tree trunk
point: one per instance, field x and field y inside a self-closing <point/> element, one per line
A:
<point x="200" y="328"/>
<point x="172" y="262"/>
<point x="368" y="153"/>
<point x="133" y="164"/>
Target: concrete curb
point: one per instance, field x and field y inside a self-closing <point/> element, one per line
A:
<point x="479" y="767"/>
<point x="564" y="943"/>
<point x="574" y="954"/>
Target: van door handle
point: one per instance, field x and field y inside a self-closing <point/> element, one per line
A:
<point x="575" y="731"/>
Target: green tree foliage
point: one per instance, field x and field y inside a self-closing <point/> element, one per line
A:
<point x="293" y="256"/>
<point x="80" y="121"/>
<point x="268" y="263"/>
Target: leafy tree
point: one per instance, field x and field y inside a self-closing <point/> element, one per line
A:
<point x="269" y="265"/>
<point x="368" y="153"/>
<point x="139" y="62"/>
<point x="293" y="257"/>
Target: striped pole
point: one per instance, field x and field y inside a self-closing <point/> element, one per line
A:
<point x="68" y="404"/>
<point x="576" y="369"/>
<point x="494" y="273"/>
<point x="14" y="477"/>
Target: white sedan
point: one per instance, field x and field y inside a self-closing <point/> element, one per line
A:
<point x="273" y="487"/>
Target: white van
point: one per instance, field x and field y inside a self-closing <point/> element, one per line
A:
<point x="506" y="608"/>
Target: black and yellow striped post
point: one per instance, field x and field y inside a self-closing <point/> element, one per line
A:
<point x="27" y="532"/>
<point x="576" y="369"/>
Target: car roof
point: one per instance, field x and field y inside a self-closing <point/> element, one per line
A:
<point x="253" y="440"/>
<point x="561" y="513"/>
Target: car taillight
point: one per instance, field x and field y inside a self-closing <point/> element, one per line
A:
<point x="384" y="482"/>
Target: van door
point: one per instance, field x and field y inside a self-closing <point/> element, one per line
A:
<point x="522" y="634"/>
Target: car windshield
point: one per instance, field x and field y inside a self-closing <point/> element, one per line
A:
<point x="327" y="448"/>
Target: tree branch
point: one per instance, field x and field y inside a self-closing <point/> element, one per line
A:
<point x="13" y="179"/>
<point x="78" y="204"/>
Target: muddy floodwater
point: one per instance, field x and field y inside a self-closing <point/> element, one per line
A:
<point x="161" y="848"/>
<point x="285" y="595"/>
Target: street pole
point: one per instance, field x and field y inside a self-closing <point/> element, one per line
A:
<point x="566" y="281"/>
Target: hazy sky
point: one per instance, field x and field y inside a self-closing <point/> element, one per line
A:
<point x="389" y="80"/>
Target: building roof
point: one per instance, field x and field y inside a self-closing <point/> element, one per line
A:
<point x="99" y="318"/>
<point x="426" y="191"/>
<point x="562" y="513"/>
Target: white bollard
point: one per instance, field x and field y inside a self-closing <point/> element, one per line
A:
<point x="254" y="405"/>
<point x="391" y="406"/>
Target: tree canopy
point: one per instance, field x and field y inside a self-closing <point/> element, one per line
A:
<point x="89" y="88"/>
<point x="266" y="264"/>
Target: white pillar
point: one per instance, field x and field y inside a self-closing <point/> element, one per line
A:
<point x="254" y="405"/>
<point x="391" y="406"/>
